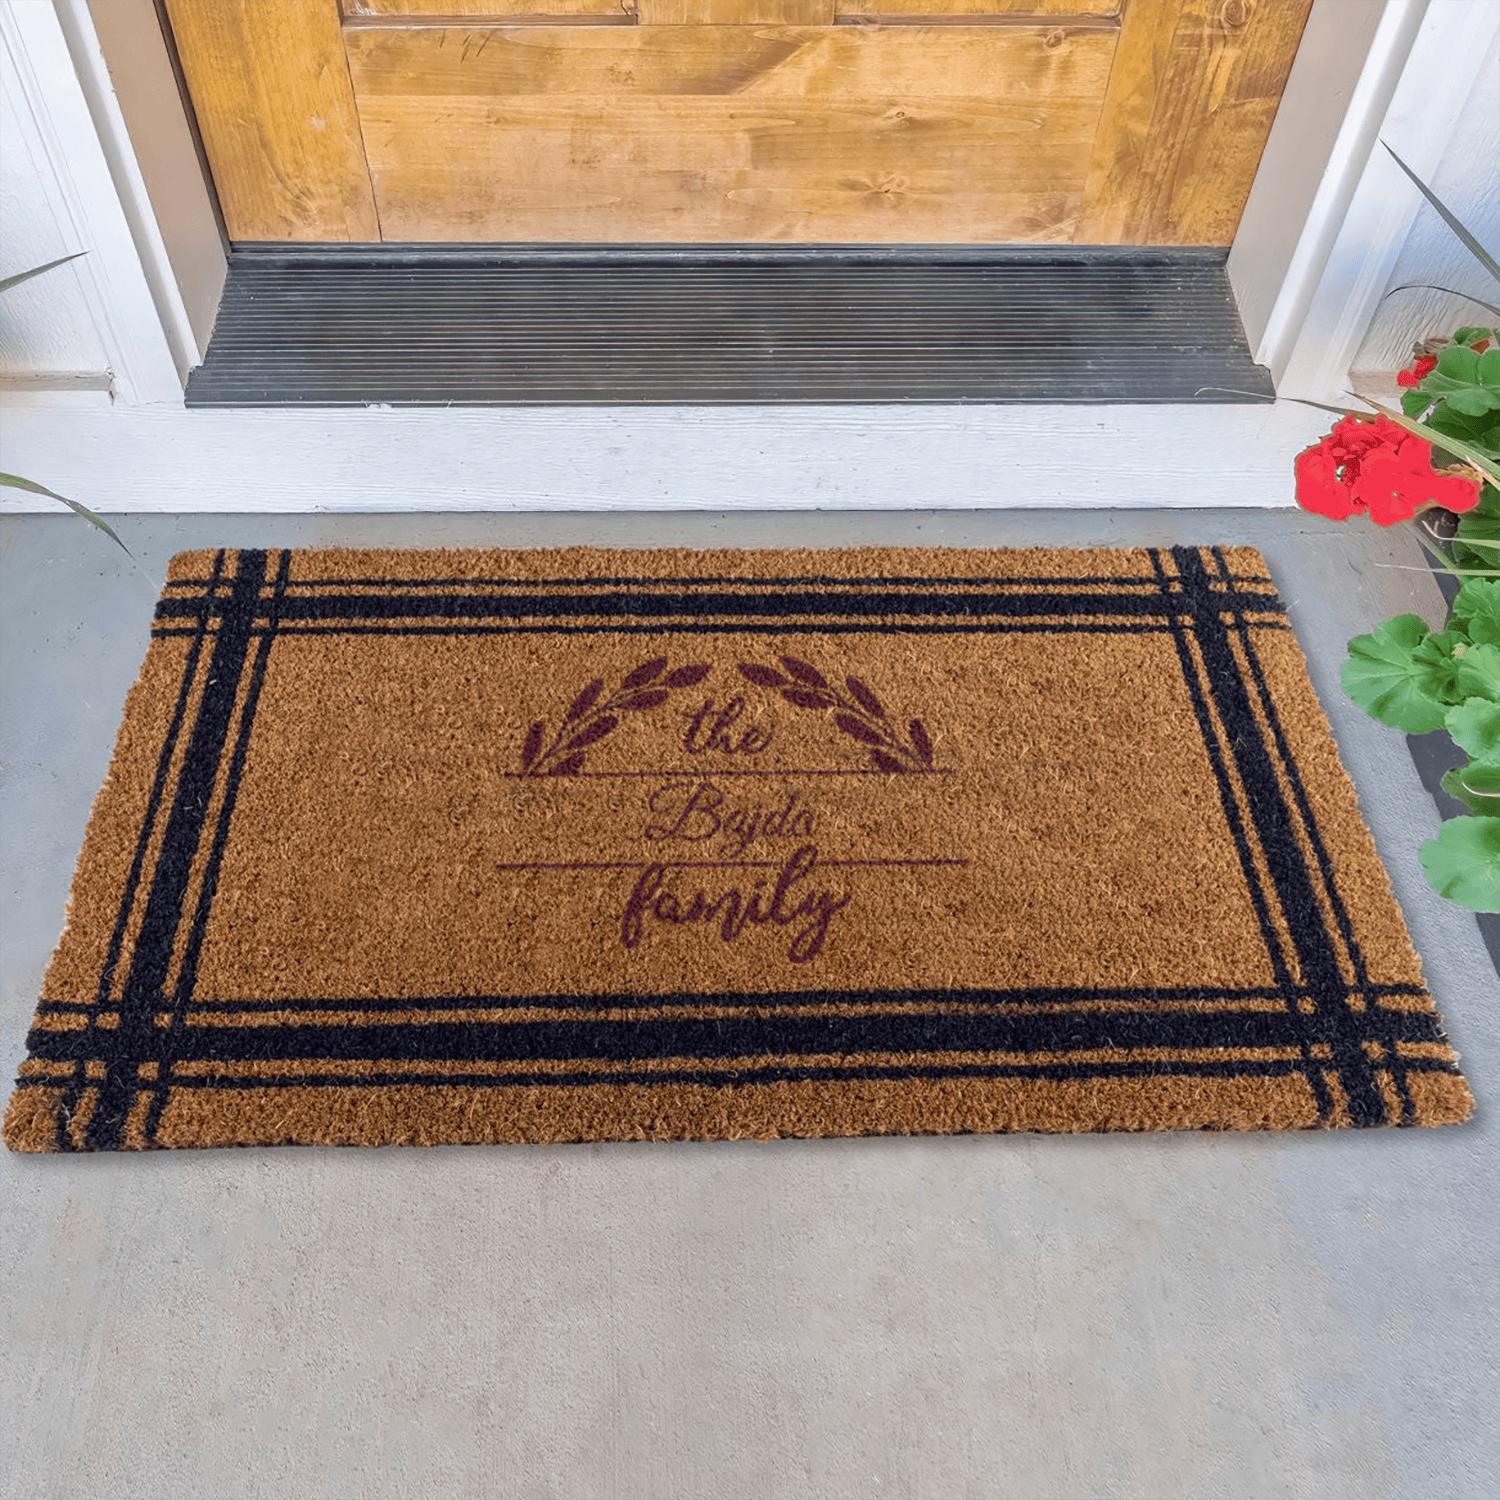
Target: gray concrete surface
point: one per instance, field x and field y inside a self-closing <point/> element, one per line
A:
<point x="1029" y="1318"/>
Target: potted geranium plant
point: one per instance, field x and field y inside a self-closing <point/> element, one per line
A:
<point x="1436" y="461"/>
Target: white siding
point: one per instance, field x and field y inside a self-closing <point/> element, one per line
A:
<point x="47" y="330"/>
<point x="1468" y="181"/>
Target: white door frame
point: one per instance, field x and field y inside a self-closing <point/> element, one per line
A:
<point x="1322" y="229"/>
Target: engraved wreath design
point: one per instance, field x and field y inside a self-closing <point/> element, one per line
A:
<point x="591" y="716"/>
<point x="861" y="715"/>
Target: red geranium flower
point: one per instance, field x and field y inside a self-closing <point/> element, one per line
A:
<point x="1376" y="468"/>
<point x="1418" y="372"/>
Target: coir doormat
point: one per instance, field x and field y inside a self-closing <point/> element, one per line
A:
<point x="415" y="847"/>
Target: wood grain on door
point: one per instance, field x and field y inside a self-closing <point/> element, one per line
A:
<point x="736" y="121"/>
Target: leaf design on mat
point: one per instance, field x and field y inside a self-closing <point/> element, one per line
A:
<point x="533" y="746"/>
<point x="651" y="698"/>
<point x="585" y="700"/>
<point x="864" y="697"/>
<point x="646" y="672"/>
<point x="591" y="716"/>
<point x="859" y="729"/>
<point x="919" y="738"/>
<point x="593" y="733"/>
<point x="804" y="673"/>
<point x="861" y="715"/>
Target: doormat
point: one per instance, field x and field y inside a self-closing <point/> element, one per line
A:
<point x="422" y="847"/>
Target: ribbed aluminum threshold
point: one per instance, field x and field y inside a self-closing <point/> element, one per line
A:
<point x="621" y="325"/>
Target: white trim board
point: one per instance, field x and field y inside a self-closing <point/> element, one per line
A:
<point x="658" y="458"/>
<point x="1347" y="65"/>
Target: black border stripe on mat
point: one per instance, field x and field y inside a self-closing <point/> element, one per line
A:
<point x="1309" y="823"/>
<point x="1286" y="990"/>
<point x="767" y="604"/>
<point x="771" y="1074"/>
<point x="1253" y="582"/>
<point x="847" y="582"/>
<point x="158" y="786"/>
<point x="756" y="627"/>
<point x="1275" y="831"/>
<point x="771" y="1035"/>
<point x="187" y="976"/>
<point x="133" y="1038"/>
<point x="1167" y="997"/>
<point x="199" y="634"/>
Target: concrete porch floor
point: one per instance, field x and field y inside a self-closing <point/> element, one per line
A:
<point x="1005" y="1318"/>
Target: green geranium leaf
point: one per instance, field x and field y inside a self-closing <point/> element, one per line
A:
<point x="1463" y="862"/>
<point x="1435" y="665"/>
<point x="1481" y="432"/>
<point x="1477" y="786"/>
<point x="1476" y="611"/>
<point x="1475" y="727"/>
<point x="1472" y="401"/>
<point x="1472" y="335"/>
<point x="1457" y="362"/>
<point x="1470" y="559"/>
<point x="1476" y="540"/>
<point x="1486" y="547"/>
<point x="1384" y="679"/>
<point x="1469" y="383"/>
<point x="1478" y="674"/>
<point x="1479" y="528"/>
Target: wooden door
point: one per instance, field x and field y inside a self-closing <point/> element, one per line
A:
<point x="698" y="121"/>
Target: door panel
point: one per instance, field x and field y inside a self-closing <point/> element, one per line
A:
<point x="480" y="10"/>
<point x="879" y="121"/>
<point x="1192" y="95"/>
<point x="729" y="133"/>
<point x="847" y="64"/>
<point x="1011" y="12"/>
<point x="735" y="12"/>
<point x="271" y="91"/>
<point x="722" y="171"/>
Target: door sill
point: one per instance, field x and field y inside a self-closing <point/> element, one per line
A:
<point x="580" y="325"/>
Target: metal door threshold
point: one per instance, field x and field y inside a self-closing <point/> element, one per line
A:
<point x="720" y="325"/>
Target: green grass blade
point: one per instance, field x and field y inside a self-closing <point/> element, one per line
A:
<point x="1338" y="411"/>
<point x="21" y="276"/>
<point x="1472" y="245"/>
<point x="15" y="482"/>
<point x="1440" y="560"/>
<point x="1427" y="286"/>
